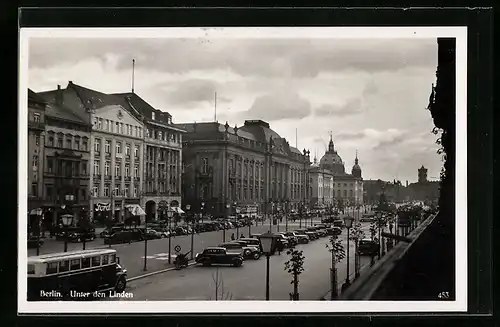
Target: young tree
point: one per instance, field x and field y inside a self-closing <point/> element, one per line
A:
<point x="220" y="295"/>
<point x="295" y="266"/>
<point x="356" y="234"/>
<point x="373" y="232"/>
<point x="337" y="251"/>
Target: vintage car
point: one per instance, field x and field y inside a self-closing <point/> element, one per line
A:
<point x="219" y="256"/>
<point x="334" y="231"/>
<point x="125" y="236"/>
<point x="292" y="239"/>
<point x="249" y="251"/>
<point x="368" y="247"/>
<point x="76" y="234"/>
<point x="338" y="223"/>
<point x="301" y="238"/>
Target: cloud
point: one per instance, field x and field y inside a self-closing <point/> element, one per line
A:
<point x="194" y="90"/>
<point x="391" y="138"/>
<point x="242" y="56"/>
<point x="350" y="136"/>
<point x="370" y="89"/>
<point x="278" y="106"/>
<point x="351" y="107"/>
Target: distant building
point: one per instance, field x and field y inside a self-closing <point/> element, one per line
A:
<point x="321" y="186"/>
<point x="424" y="190"/>
<point x="347" y="187"/>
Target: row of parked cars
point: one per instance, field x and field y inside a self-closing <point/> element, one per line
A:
<point x="237" y="251"/>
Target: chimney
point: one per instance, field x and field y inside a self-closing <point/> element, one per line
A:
<point x="406" y="183"/>
<point x="59" y="95"/>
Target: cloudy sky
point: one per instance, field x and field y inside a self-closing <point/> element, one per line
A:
<point x="371" y="94"/>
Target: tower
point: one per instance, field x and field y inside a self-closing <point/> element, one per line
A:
<point x="422" y="175"/>
<point x="356" y="169"/>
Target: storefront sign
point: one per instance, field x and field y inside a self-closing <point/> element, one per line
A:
<point x="103" y="207"/>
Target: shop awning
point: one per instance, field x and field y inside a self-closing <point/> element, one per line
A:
<point x="177" y="210"/>
<point x="135" y="209"/>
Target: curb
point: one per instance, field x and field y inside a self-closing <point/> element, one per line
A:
<point x="155" y="273"/>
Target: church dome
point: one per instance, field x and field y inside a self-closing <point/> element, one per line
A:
<point x="332" y="161"/>
<point x="356" y="169"/>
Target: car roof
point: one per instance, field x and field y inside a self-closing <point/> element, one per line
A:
<point x="366" y="240"/>
<point x="214" y="248"/>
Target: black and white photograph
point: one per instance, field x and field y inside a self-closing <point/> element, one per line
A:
<point x="273" y="169"/>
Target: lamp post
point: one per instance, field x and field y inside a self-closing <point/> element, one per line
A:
<point x="202" y="208"/>
<point x="170" y="215"/>
<point x="379" y="219"/>
<point x="237" y="216"/>
<point x="67" y="220"/>
<point x="145" y="268"/>
<point x="268" y="243"/>
<point x="191" y="218"/>
<point x="271" y="217"/>
<point x="286" y="215"/>
<point x="224" y="225"/>
<point x="348" y="224"/>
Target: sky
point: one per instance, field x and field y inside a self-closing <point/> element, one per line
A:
<point x="369" y="94"/>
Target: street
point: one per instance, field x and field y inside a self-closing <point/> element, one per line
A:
<point x="247" y="282"/>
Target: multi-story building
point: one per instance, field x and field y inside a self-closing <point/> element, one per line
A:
<point x="136" y="151"/>
<point x="36" y="139"/>
<point x="162" y="156"/>
<point x="66" y="169"/>
<point x="322" y="191"/>
<point x="348" y="187"/>
<point x="228" y="170"/>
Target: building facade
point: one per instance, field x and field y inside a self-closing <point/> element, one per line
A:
<point x="242" y="170"/>
<point x="162" y="157"/>
<point x="66" y="169"/>
<point x="346" y="187"/>
<point x="322" y="191"/>
<point x="36" y="153"/>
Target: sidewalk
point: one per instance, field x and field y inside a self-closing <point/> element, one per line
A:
<point x="352" y="275"/>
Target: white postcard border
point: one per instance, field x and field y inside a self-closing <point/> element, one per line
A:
<point x="459" y="305"/>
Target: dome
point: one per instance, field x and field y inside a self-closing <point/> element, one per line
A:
<point x="332" y="161"/>
<point x="356" y="169"/>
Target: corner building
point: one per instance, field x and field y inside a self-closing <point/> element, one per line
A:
<point x="250" y="169"/>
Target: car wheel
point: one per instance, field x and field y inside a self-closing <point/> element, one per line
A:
<point x="238" y="263"/>
<point x="78" y="240"/>
<point x="247" y="253"/>
<point x="121" y="284"/>
<point x="256" y="256"/>
<point x="162" y="236"/>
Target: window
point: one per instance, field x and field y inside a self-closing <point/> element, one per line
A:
<point x="96" y="261"/>
<point x="136" y="151"/>
<point x="31" y="269"/>
<point x="204" y="165"/>
<point x="136" y="188"/>
<point x="112" y="258"/>
<point x="127" y="149"/>
<point x="136" y="170"/>
<point x="350" y="193"/>
<point x="117" y="127"/>
<point x="160" y="136"/>
<point x="136" y="131"/>
<point x="127" y="170"/>
<point x="52" y="268"/>
<point x="76" y="146"/>
<point x="121" y="128"/>
<point x="97" y="145"/>
<point x="36" y="117"/>
<point x="345" y="193"/>
<point x="37" y="140"/>
<point x="106" y="125"/>
<point x="85" y="262"/>
<point x="345" y="184"/>
<point x="118" y="169"/>
<point x="74" y="264"/>
<point x="127" y="189"/>
<point x="84" y="167"/>
<point x="118" y="147"/>
<point x="140" y="131"/>
<point x="106" y="168"/>
<point x="147" y="132"/>
<point x="60" y="142"/>
<point x="51" y="141"/>
<point x="34" y="189"/>
<point x="246" y="169"/>
<point x="99" y="123"/>
<point x="116" y="191"/>
<point x="153" y="115"/>
<point x="105" y="259"/>
<point x="49" y="192"/>
<point x="95" y="191"/>
<point x="96" y="167"/>
<point x="106" y="190"/>
<point x="107" y="146"/>
<point x="35" y="162"/>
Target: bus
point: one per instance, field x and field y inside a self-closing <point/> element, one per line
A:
<point x="75" y="275"/>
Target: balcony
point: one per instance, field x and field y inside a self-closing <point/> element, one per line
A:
<point x="107" y="177"/>
<point x="128" y="178"/>
<point x="97" y="154"/>
<point x="36" y="125"/>
<point x="107" y="155"/>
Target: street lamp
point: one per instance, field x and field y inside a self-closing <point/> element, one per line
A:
<point x="67" y="220"/>
<point x="191" y="218"/>
<point x="202" y="208"/>
<point x="170" y="215"/>
<point x="379" y="219"/>
<point x="268" y="244"/>
<point x="224" y="224"/>
<point x="348" y="224"/>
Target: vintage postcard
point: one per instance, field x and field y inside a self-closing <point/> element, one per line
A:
<point x="238" y="169"/>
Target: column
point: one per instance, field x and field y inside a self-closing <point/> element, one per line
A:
<point x="141" y="167"/>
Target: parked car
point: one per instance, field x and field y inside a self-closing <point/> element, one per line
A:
<point x="125" y="236"/>
<point x="368" y="247"/>
<point x="338" y="223"/>
<point x="109" y="231"/>
<point x="312" y="235"/>
<point x="366" y="219"/>
<point x="292" y="239"/>
<point x="248" y="251"/>
<point x="75" y="234"/>
<point x="151" y="234"/>
<point x="317" y="230"/>
<point x="33" y="240"/>
<point x="220" y="256"/>
<point x="302" y="236"/>
<point x="252" y="241"/>
<point x="334" y="231"/>
<point x="180" y="231"/>
<point x="283" y="240"/>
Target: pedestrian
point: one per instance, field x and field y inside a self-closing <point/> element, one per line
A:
<point x="232" y="237"/>
<point x="242" y="236"/>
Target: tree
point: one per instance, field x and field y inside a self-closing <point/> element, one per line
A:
<point x="220" y="295"/>
<point x="373" y="233"/>
<point x="356" y="234"/>
<point x="337" y="251"/>
<point x="295" y="266"/>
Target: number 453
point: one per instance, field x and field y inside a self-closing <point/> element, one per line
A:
<point x="444" y="295"/>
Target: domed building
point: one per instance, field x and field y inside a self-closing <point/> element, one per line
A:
<point x="348" y="187"/>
